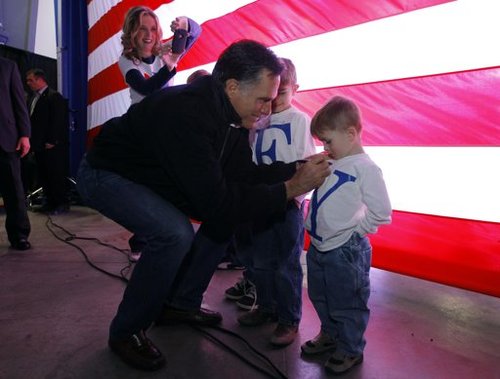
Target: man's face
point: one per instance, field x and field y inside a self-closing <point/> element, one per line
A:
<point x="34" y="83"/>
<point x="253" y="101"/>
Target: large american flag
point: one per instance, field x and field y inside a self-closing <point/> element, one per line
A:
<point x="426" y="75"/>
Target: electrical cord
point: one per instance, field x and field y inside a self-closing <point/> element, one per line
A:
<point x="71" y="236"/>
<point x="49" y="224"/>
<point x="279" y="374"/>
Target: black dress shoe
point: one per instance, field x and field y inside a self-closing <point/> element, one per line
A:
<point x="202" y="317"/>
<point x="138" y="351"/>
<point x="22" y="244"/>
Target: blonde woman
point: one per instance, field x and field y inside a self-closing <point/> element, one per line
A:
<point x="146" y="65"/>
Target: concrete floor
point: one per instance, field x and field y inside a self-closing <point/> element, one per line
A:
<point x="55" y="311"/>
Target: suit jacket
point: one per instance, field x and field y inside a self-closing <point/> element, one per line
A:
<point x="49" y="120"/>
<point x="14" y="117"/>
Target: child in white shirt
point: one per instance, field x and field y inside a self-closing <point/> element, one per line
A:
<point x="351" y="203"/>
<point x="277" y="243"/>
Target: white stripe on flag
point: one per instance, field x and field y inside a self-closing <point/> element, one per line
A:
<point x="97" y="8"/>
<point x="105" y="55"/>
<point x="442" y="181"/>
<point x="457" y="182"/>
<point x="116" y="105"/>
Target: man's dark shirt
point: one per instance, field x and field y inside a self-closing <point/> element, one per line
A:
<point x="183" y="142"/>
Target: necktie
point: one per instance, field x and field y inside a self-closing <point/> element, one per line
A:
<point x="33" y="102"/>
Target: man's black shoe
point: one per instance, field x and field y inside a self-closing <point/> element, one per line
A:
<point x="22" y="244"/>
<point x="202" y="317"/>
<point x="138" y="351"/>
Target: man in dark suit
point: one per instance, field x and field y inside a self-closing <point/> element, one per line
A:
<point x="49" y="140"/>
<point x="14" y="143"/>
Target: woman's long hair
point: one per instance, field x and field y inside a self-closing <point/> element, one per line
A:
<point x="131" y="25"/>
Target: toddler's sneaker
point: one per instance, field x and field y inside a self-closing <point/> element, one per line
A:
<point x="239" y="290"/>
<point x="339" y="363"/>
<point x="319" y="344"/>
<point x="249" y="301"/>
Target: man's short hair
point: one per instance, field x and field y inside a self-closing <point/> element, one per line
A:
<point x="37" y="73"/>
<point x="244" y="61"/>
<point x="195" y="75"/>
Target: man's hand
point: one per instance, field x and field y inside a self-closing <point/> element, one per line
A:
<point x="23" y="145"/>
<point x="310" y="175"/>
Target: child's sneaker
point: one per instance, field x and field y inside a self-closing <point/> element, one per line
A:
<point x="249" y="301"/>
<point x="339" y="363"/>
<point x="319" y="344"/>
<point x="239" y="290"/>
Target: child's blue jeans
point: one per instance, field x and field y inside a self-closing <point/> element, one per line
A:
<point x="276" y="271"/>
<point x="339" y="288"/>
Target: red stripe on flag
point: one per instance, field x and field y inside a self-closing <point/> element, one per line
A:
<point x="273" y="22"/>
<point x="105" y="83"/>
<point x="457" y="252"/>
<point x="91" y="134"/>
<point x="455" y="109"/>
<point x="111" y="22"/>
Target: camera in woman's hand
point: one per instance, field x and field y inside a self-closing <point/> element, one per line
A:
<point x="179" y="41"/>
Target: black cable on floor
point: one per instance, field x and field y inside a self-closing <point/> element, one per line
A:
<point x="73" y="236"/>
<point x="279" y="374"/>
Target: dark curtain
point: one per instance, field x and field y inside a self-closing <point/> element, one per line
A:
<point x="73" y="56"/>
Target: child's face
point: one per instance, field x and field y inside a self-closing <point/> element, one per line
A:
<point x="284" y="99"/>
<point x="338" y="143"/>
